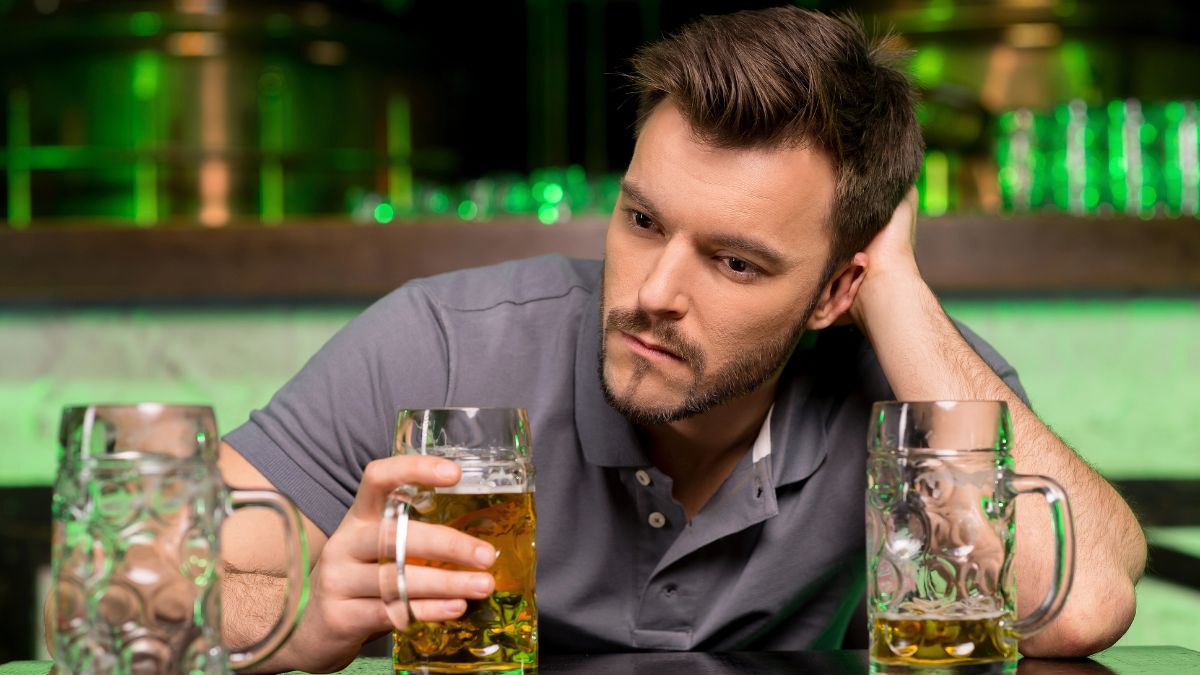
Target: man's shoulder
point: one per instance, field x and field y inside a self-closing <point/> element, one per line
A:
<point x="841" y="359"/>
<point x="516" y="282"/>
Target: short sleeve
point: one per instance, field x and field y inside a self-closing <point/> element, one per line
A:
<point x="315" y="436"/>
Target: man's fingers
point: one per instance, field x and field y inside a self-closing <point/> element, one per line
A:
<point x="446" y="544"/>
<point x="438" y="610"/>
<point x="429" y="542"/>
<point x="362" y="581"/>
<point x="382" y="476"/>
<point x="424" y="610"/>
<point x="431" y="582"/>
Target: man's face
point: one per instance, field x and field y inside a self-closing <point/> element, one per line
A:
<point x="713" y="263"/>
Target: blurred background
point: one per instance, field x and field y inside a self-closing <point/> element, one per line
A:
<point x="195" y="194"/>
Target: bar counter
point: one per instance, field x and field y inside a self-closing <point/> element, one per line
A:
<point x="1120" y="660"/>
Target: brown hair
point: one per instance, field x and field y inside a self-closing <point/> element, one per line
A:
<point x="784" y="77"/>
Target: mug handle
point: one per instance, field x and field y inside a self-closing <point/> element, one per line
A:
<point x="393" y="543"/>
<point x="1064" y="551"/>
<point x="297" y="575"/>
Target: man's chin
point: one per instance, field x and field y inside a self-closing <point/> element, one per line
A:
<point x="642" y="402"/>
<point x="648" y="416"/>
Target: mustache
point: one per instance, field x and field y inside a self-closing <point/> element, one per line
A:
<point x="664" y="332"/>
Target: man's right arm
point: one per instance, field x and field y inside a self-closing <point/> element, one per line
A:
<point x="345" y="609"/>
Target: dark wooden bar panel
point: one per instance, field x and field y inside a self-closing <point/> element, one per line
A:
<point x="1059" y="253"/>
<point x="340" y="261"/>
<point x="317" y="261"/>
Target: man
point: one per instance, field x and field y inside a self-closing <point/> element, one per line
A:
<point x="698" y="405"/>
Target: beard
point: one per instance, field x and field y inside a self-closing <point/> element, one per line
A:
<point x="745" y="373"/>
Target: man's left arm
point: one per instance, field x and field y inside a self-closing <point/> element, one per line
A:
<point x="925" y="358"/>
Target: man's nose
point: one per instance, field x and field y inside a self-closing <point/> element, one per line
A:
<point x="663" y="292"/>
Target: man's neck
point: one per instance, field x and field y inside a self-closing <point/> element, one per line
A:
<point x="700" y="452"/>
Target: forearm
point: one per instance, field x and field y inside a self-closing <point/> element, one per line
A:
<point x="925" y="358"/>
<point x="252" y="604"/>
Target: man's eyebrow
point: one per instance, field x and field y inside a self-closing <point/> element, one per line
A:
<point x="764" y="252"/>
<point x="640" y="200"/>
<point x="754" y="247"/>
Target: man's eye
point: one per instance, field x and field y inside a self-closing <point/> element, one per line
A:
<point x="740" y="269"/>
<point x="642" y="220"/>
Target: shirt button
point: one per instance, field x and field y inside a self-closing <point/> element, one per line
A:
<point x="642" y="477"/>
<point x="657" y="520"/>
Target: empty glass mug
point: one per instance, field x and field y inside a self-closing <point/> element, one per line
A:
<point x="941" y="526"/>
<point x="492" y="501"/>
<point x="138" y="506"/>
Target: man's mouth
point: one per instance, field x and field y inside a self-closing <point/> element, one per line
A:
<point x="649" y="348"/>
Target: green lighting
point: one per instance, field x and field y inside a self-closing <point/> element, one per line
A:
<point x="929" y="65"/>
<point x="146" y="74"/>
<point x="146" y="191"/>
<point x="518" y="199"/>
<point x="271" y="184"/>
<point x="937" y="183"/>
<point x="271" y="139"/>
<point x="1066" y="7"/>
<point x="1149" y="196"/>
<point x="938" y="11"/>
<point x="20" y="201"/>
<point x="1077" y="68"/>
<point x="270" y="83"/>
<point x="553" y="193"/>
<point x="384" y="213"/>
<point x="399" y="140"/>
<point x="439" y="201"/>
<point x="468" y="210"/>
<point x="145" y="24"/>
<point x="548" y="214"/>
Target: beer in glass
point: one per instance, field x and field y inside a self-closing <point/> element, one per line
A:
<point x="493" y="501"/>
<point x="941" y="592"/>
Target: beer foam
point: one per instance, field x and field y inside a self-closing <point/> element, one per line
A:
<point x="942" y="616"/>
<point x="483" y="489"/>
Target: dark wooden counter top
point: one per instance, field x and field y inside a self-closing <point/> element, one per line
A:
<point x="338" y="261"/>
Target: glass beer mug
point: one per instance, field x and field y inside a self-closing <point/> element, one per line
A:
<point x="941" y="493"/>
<point x="493" y="501"/>
<point x="138" y="506"/>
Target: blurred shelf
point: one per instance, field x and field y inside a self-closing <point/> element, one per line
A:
<point x="1059" y="254"/>
<point x="333" y="260"/>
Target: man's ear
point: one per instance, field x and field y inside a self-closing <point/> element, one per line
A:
<point x="838" y="294"/>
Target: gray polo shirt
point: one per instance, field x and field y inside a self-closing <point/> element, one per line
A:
<point x="774" y="561"/>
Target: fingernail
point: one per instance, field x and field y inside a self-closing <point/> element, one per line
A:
<point x="445" y="470"/>
<point x="454" y="607"/>
<point x="486" y="555"/>
<point x="480" y="583"/>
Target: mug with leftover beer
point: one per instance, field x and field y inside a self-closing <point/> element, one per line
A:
<point x="941" y="527"/>
<point x="138" y="505"/>
<point x="492" y="501"/>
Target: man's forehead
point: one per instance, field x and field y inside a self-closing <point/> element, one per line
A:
<point x="669" y="153"/>
<point x="748" y="200"/>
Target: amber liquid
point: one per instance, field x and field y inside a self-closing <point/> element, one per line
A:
<point x="497" y="634"/>
<point x="942" y="641"/>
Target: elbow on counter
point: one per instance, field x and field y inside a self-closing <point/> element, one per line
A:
<point x="1088" y="623"/>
